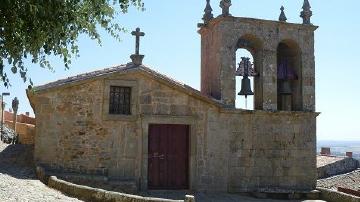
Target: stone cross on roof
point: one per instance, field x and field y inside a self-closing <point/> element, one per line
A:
<point x="137" y="58"/>
<point x="137" y="35"/>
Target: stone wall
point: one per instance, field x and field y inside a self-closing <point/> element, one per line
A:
<point x="69" y="135"/>
<point x="260" y="151"/>
<point x="342" y="166"/>
<point x="25" y="131"/>
<point x="275" y="153"/>
<point x="231" y="150"/>
<point x="74" y="134"/>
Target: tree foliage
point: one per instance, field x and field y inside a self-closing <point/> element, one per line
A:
<point x="36" y="29"/>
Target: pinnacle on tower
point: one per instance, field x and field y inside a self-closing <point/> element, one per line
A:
<point x="306" y="5"/>
<point x="306" y="13"/>
<point x="225" y="6"/>
<point x="282" y="16"/>
<point x="207" y="12"/>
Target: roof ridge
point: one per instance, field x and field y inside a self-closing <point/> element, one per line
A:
<point x="168" y="78"/>
<point x="85" y="75"/>
<point x="125" y="68"/>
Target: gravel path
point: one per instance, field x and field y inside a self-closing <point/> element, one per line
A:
<point x="17" y="178"/>
<point x="217" y="197"/>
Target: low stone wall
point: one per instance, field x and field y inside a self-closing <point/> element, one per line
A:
<point x="98" y="195"/>
<point x="339" y="167"/>
<point x="335" y="196"/>
<point x="93" y="194"/>
<point x="25" y="131"/>
<point x="100" y="181"/>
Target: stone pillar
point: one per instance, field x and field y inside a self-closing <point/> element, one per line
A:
<point x="308" y="71"/>
<point x="308" y="82"/>
<point x="269" y="80"/>
<point x="258" y="80"/>
<point x="227" y="76"/>
<point x="210" y="80"/>
<point x="15" y="106"/>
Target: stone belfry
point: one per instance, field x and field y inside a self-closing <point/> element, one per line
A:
<point x="283" y="54"/>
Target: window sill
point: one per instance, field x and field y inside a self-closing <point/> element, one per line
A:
<point x="119" y="117"/>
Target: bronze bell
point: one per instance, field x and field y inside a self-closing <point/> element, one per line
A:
<point x="245" y="87"/>
<point x="284" y="87"/>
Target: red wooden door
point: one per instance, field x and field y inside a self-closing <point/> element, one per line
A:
<point x="168" y="160"/>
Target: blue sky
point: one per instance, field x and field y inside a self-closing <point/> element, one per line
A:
<point x="172" y="46"/>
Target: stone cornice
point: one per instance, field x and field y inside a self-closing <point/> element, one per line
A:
<point x="220" y="19"/>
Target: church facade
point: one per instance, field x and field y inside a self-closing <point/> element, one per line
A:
<point x="130" y="123"/>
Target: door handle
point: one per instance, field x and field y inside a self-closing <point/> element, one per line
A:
<point x="161" y="157"/>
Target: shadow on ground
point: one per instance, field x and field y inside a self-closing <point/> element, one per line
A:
<point x="16" y="160"/>
<point x="215" y="197"/>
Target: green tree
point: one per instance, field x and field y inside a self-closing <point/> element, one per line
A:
<point x="36" y="29"/>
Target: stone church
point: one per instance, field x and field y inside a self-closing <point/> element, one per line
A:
<point x="129" y="123"/>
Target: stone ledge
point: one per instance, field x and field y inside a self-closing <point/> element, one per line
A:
<point x="335" y="196"/>
<point x="99" y="195"/>
<point x="220" y="19"/>
<point x="269" y="112"/>
<point x="312" y="195"/>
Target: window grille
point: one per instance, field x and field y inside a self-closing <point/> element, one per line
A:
<point x="120" y="102"/>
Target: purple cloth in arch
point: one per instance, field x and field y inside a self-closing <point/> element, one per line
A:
<point x="284" y="72"/>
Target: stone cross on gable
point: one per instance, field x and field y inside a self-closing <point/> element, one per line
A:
<point x="137" y="35"/>
<point x="137" y="58"/>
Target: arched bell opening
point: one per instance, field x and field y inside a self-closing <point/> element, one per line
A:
<point x="248" y="87"/>
<point x="289" y="76"/>
<point x="244" y="86"/>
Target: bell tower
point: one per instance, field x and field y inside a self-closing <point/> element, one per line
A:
<point x="283" y="56"/>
